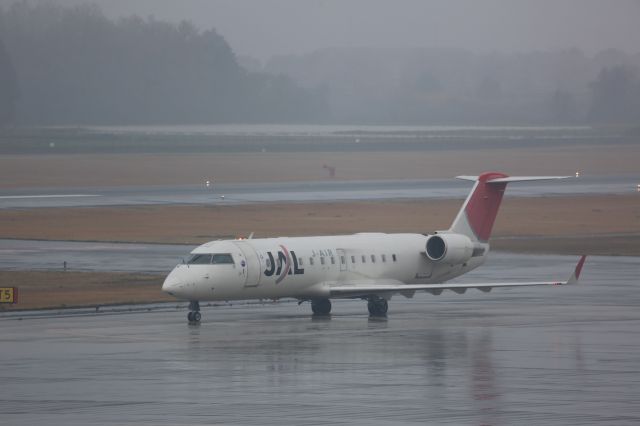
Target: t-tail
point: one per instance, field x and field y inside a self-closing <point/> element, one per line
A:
<point x="478" y="213"/>
<point x="469" y="234"/>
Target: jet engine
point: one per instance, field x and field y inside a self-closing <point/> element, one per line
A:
<point x="449" y="248"/>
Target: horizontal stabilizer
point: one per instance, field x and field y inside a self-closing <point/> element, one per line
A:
<point x="478" y="213"/>
<point x="513" y="178"/>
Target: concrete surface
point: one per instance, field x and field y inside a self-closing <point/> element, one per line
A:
<point x="560" y="355"/>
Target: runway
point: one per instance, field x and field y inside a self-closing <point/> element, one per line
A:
<point x="560" y="355"/>
<point x="90" y="256"/>
<point x="312" y="191"/>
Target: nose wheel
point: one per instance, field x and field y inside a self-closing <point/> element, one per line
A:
<point x="194" y="315"/>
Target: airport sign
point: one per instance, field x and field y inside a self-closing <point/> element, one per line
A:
<point x="8" y="295"/>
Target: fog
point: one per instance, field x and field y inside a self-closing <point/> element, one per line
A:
<point x="262" y="29"/>
<point x="350" y="61"/>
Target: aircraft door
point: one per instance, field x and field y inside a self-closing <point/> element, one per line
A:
<point x="249" y="263"/>
<point x="342" y="258"/>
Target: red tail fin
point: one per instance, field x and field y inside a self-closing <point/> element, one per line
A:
<point x="479" y="211"/>
<point x="481" y="207"/>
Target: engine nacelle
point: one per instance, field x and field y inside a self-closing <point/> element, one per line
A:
<point x="449" y="248"/>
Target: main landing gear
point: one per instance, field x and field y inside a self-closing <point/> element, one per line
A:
<point x="321" y="307"/>
<point x="377" y="306"/>
<point x="194" y="315"/>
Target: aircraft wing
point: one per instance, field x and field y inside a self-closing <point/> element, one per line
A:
<point x="378" y="287"/>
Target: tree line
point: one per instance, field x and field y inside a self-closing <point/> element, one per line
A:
<point x="72" y="65"/>
<point x="456" y="86"/>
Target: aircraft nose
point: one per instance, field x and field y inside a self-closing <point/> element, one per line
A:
<point x="171" y="283"/>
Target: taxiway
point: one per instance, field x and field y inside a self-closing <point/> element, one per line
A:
<point x="564" y="355"/>
<point x="312" y="191"/>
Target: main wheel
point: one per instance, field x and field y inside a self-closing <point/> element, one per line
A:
<point x="190" y="316"/>
<point x="321" y="306"/>
<point x="196" y="316"/>
<point x="378" y="307"/>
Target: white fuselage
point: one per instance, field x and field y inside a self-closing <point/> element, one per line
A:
<point x="306" y="267"/>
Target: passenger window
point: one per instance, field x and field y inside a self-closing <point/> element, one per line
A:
<point x="342" y="260"/>
<point x="333" y="260"/>
<point x="311" y="261"/>
<point x="353" y="259"/>
<point x="384" y="258"/>
<point x="268" y="262"/>
<point x="219" y="259"/>
<point x="199" y="259"/>
<point x="321" y="260"/>
<point x="300" y="262"/>
<point x="364" y="259"/>
<point x="373" y="258"/>
<point x="393" y="256"/>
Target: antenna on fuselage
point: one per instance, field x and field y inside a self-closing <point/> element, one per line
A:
<point x="250" y="236"/>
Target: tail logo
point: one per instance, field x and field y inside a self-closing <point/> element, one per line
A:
<point x="482" y="207"/>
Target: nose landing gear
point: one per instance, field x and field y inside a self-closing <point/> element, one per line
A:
<point x="194" y="315"/>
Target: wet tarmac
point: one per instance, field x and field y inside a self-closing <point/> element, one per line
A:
<point x="314" y="191"/>
<point x="560" y="355"/>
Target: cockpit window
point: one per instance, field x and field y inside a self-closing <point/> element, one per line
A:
<point x="224" y="258"/>
<point x="199" y="259"/>
<point x="206" y="259"/>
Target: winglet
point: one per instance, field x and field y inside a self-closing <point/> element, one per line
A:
<point x="576" y="274"/>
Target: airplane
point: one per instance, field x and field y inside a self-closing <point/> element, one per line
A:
<point x="371" y="266"/>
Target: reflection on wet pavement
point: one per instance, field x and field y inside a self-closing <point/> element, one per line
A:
<point x="561" y="355"/>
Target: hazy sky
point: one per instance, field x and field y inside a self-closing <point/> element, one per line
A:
<point x="262" y="28"/>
